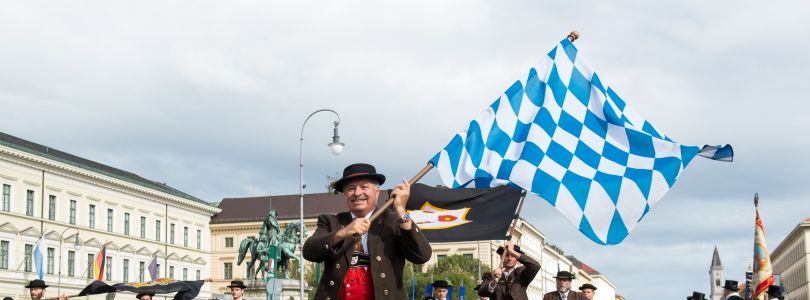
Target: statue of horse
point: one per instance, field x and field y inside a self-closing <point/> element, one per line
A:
<point x="289" y="242"/>
<point x="248" y="244"/>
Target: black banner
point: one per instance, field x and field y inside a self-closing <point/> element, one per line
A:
<point x="186" y="290"/>
<point x="454" y="215"/>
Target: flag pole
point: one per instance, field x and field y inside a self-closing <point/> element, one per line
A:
<point x="390" y="201"/>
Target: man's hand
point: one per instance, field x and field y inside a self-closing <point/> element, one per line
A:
<point x="496" y="274"/>
<point x="401" y="194"/>
<point x="510" y="249"/>
<point x="359" y="226"/>
<point x="63" y="297"/>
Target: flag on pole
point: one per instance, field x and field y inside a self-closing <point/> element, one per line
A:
<point x="413" y="286"/>
<point x="454" y="215"/>
<point x="153" y="269"/>
<point x="461" y="291"/>
<point x="39" y="258"/>
<point x="98" y="265"/>
<point x="763" y="273"/>
<point x="566" y="136"/>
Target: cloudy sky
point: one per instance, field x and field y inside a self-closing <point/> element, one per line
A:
<point x="209" y="97"/>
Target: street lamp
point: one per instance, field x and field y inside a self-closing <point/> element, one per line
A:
<point x="336" y="147"/>
<point x="75" y="246"/>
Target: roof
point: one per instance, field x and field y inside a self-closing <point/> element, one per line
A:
<point x="582" y="266"/>
<point x="716" y="258"/>
<point x="254" y="209"/>
<point x="89" y="165"/>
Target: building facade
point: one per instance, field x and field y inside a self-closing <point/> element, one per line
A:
<point x="790" y="261"/>
<point x="78" y="206"/>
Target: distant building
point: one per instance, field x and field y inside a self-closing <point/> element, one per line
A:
<point x="716" y="281"/>
<point x="605" y="289"/>
<point x="790" y="260"/>
<point x="56" y="195"/>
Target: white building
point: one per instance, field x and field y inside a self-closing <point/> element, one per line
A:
<point x="790" y="260"/>
<point x="56" y="195"/>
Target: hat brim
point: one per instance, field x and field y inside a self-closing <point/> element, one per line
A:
<point x="139" y="295"/>
<point x="237" y="286"/>
<point x="441" y="286"/>
<point x="36" y="286"/>
<point x="338" y="185"/>
<point x="501" y="249"/>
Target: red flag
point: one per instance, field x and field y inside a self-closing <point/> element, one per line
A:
<point x="763" y="273"/>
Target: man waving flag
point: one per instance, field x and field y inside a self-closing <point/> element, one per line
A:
<point x="567" y="137"/>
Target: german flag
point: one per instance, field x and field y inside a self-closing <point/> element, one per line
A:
<point x="98" y="265"/>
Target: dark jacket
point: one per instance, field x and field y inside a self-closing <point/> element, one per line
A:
<point x="572" y="295"/>
<point x="514" y="286"/>
<point x="388" y="246"/>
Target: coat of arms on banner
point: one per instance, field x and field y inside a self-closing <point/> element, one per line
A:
<point x="430" y="217"/>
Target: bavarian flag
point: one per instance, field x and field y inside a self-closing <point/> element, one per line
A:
<point x="454" y="215"/>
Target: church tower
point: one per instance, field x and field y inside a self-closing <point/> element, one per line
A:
<point x="716" y="276"/>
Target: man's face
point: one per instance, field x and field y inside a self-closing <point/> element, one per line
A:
<point x="440" y="292"/>
<point x="37" y="292"/>
<point x="361" y="196"/>
<point x="563" y="284"/>
<point x="236" y="292"/>
<point x="145" y="297"/>
<point x="510" y="262"/>
<point x="588" y="293"/>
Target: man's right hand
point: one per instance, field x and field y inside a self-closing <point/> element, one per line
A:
<point x="359" y="226"/>
<point x="496" y="274"/>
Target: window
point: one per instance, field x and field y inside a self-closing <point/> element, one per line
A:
<point x="27" y="263"/>
<point x="468" y="255"/>
<point x="171" y="271"/>
<point x="185" y="236"/>
<point x="91" y="221"/>
<point x="158" y="271"/>
<point x="171" y="233"/>
<point x="51" y="207"/>
<point x="185" y="273"/>
<point x="73" y="212"/>
<point x="6" y="197"/>
<point x="109" y="220"/>
<point x="228" y="270"/>
<point x="198" y="275"/>
<point x="143" y="227"/>
<point x="90" y="258"/>
<point x="199" y="239"/>
<point x="228" y="242"/>
<point x="126" y="223"/>
<point x="440" y="257"/>
<point x="125" y="271"/>
<point x="49" y="269"/>
<point x="108" y="268"/>
<point x="71" y="263"/>
<point x="4" y="255"/>
<point x="29" y="203"/>
<point x="141" y="266"/>
<point x="157" y="230"/>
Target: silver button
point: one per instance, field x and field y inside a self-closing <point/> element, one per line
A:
<point x="331" y="282"/>
<point x="337" y="266"/>
<point x="348" y="285"/>
<point x="385" y="292"/>
<point x="382" y="275"/>
<point x="328" y="298"/>
<point x="379" y="258"/>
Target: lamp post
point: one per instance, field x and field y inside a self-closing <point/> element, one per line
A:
<point x="75" y="245"/>
<point x="336" y="147"/>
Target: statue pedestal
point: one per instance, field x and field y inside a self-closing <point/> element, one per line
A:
<point x="284" y="289"/>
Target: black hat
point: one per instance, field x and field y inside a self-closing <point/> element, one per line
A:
<point x="477" y="287"/>
<point x="238" y="284"/>
<point x="486" y="276"/>
<point x="429" y="298"/>
<point x="500" y="250"/>
<point x="8" y="298"/>
<point x="690" y="298"/>
<point x="357" y="171"/>
<point x="698" y="296"/>
<point x="587" y="286"/>
<point x="564" y="275"/>
<point x="775" y="290"/>
<point x="731" y="285"/>
<point x="441" y="283"/>
<point x="141" y="294"/>
<point x="36" y="283"/>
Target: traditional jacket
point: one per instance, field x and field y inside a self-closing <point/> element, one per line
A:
<point x="514" y="285"/>
<point x="572" y="295"/>
<point x="388" y="248"/>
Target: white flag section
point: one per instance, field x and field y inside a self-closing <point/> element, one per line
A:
<point x="565" y="136"/>
<point x="39" y="258"/>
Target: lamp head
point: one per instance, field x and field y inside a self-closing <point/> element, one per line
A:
<point x="336" y="146"/>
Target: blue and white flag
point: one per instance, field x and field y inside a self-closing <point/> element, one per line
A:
<point x="567" y="137"/>
<point x="39" y="258"/>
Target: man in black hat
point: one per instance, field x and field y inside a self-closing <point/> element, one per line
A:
<point x="697" y="296"/>
<point x="564" y="291"/>
<point x="440" y="289"/>
<point x="730" y="290"/>
<point x="589" y="290"/>
<point x="237" y="289"/>
<point x="145" y="296"/>
<point x="364" y="260"/>
<point x="775" y="292"/>
<point x="510" y="281"/>
<point x="36" y="288"/>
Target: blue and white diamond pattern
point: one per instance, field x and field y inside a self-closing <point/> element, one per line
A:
<point x="565" y="136"/>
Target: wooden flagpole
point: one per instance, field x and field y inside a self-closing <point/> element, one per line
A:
<point x="376" y="215"/>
